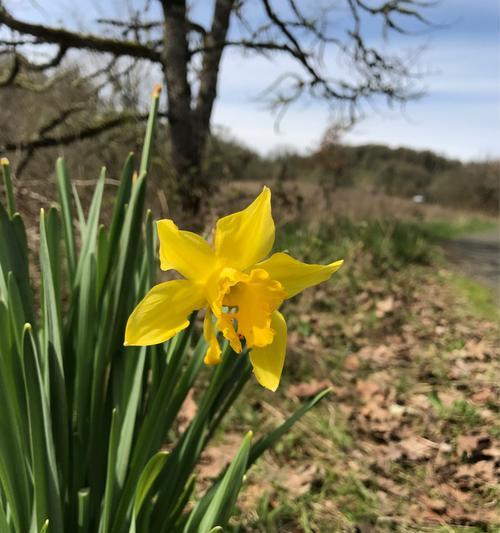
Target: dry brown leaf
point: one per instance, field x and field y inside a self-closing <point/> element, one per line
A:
<point x="384" y="307"/>
<point x="417" y="448"/>
<point x="351" y="363"/>
<point x="367" y="388"/>
<point x="476" y="349"/>
<point x="303" y="391"/>
<point x="484" y="395"/>
<point x="469" y="445"/>
<point x="298" y="481"/>
<point x="437" y="505"/>
<point x="476" y="475"/>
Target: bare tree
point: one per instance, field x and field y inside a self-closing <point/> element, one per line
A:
<point x="189" y="55"/>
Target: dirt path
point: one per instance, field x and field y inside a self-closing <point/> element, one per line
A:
<point x="478" y="256"/>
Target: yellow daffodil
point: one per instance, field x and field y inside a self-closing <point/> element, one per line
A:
<point x="241" y="289"/>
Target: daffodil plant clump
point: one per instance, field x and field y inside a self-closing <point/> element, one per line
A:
<point x="94" y="371"/>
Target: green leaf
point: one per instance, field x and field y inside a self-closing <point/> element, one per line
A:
<point x="216" y="508"/>
<point x="15" y="486"/>
<point x="121" y="201"/>
<point x="51" y="306"/>
<point x="269" y="440"/>
<point x="89" y="236"/>
<point x="14" y="258"/>
<point x="109" y="493"/>
<point x="83" y="511"/>
<point x="148" y="476"/>
<point x="146" y="480"/>
<point x="64" y="191"/>
<point x="102" y="260"/>
<point x="132" y="398"/>
<point x="4" y="524"/>
<point x="82" y="223"/>
<point x="9" y="190"/>
<point x="43" y="457"/>
<point x="150" y="131"/>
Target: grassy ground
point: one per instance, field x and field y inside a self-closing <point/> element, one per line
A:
<point x="408" y="440"/>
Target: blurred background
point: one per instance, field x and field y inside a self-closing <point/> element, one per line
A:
<point x="376" y="124"/>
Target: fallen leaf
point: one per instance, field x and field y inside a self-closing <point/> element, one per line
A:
<point x="303" y="391"/>
<point x="470" y="445"/>
<point x="384" y="306"/>
<point x="351" y="363"/>
<point x="483" y="395"/>
<point x="298" y="481"/>
<point x="367" y="388"/>
<point x="417" y="448"/>
<point x="435" y="504"/>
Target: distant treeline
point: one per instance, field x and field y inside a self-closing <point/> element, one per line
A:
<point x="25" y="115"/>
<point x="400" y="172"/>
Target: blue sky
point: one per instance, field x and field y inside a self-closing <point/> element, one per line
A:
<point x="459" y="115"/>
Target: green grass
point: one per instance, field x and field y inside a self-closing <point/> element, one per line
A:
<point x="391" y="243"/>
<point x="478" y="297"/>
<point x="449" y="229"/>
<point x="461" y="415"/>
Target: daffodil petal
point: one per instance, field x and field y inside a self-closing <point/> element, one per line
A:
<point x="245" y="237"/>
<point x="163" y="312"/>
<point x="268" y="361"/>
<point x="294" y="275"/>
<point x="186" y="252"/>
<point x="213" y="354"/>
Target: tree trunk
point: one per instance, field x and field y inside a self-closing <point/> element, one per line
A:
<point x="185" y="155"/>
<point x="189" y="127"/>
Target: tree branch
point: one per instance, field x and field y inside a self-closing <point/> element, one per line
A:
<point x="214" y="42"/>
<point x="69" y="138"/>
<point x="68" y="39"/>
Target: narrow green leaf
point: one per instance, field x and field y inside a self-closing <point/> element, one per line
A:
<point x="83" y="511"/>
<point x="43" y="457"/>
<point x="121" y="201"/>
<point x="146" y="480"/>
<point x="15" y="485"/>
<point x="150" y="131"/>
<point x="82" y="223"/>
<point x="64" y="191"/>
<point x="102" y="260"/>
<point x="89" y="236"/>
<point x="266" y="442"/>
<point x="14" y="258"/>
<point x="215" y="509"/>
<point x="131" y="402"/>
<point x="45" y="527"/>
<point x="51" y="299"/>
<point x="148" y="476"/>
<point x="175" y="517"/>
<point x="9" y="190"/>
<point x="107" y="508"/>
<point x="4" y="524"/>
<point x="16" y="310"/>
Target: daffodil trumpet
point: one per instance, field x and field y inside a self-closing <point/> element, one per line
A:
<point x="241" y="288"/>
